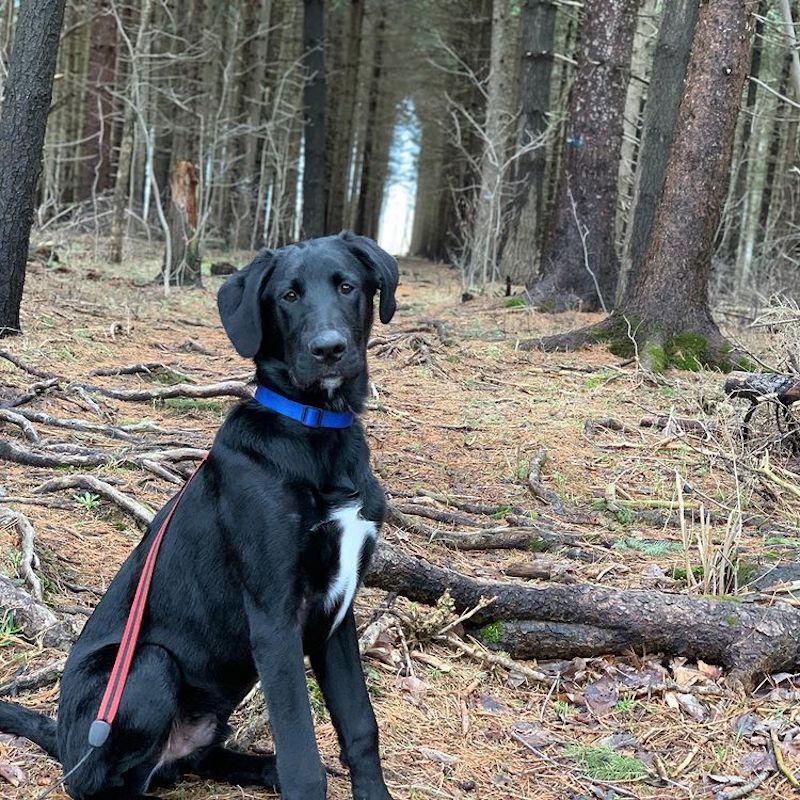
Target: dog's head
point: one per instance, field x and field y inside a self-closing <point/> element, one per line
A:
<point x="308" y="306"/>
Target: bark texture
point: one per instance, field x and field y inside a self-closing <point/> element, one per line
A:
<point x="521" y="247"/>
<point x="483" y="254"/>
<point x="98" y="129"/>
<point x="660" y="117"/>
<point x="670" y="289"/>
<point x="579" y="262"/>
<point x="314" y="170"/>
<point x="564" y="621"/>
<point x="28" y="90"/>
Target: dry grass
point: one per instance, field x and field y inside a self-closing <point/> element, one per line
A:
<point x="459" y="413"/>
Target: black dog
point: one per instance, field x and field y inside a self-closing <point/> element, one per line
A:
<point x="260" y="561"/>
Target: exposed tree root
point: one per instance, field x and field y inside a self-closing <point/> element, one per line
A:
<point x="34" y="620"/>
<point x="122" y="432"/>
<point x="20" y="364"/>
<point x="534" y="536"/>
<point x="656" y="347"/>
<point x="10" y="451"/>
<point x="29" y="561"/>
<point x="129" y="505"/>
<point x="35" y="679"/>
<point x="223" y="389"/>
<point x="580" y="620"/>
<point x="7" y="415"/>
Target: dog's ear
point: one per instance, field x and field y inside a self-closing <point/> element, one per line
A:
<point x="239" y="303"/>
<point x="382" y="264"/>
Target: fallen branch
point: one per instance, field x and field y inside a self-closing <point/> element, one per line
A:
<point x="534" y="536"/>
<point x="677" y="423"/>
<point x="484" y="656"/>
<point x="761" y="388"/>
<point x="90" y="483"/>
<point x="564" y="621"/>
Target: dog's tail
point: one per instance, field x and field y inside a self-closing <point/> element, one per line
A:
<point x="21" y="721"/>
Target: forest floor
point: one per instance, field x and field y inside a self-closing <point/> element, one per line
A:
<point x="458" y="411"/>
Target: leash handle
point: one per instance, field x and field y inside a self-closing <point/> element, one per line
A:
<point x="109" y="705"/>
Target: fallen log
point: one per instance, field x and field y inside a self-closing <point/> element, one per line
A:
<point x="759" y="388"/>
<point x="565" y="621"/>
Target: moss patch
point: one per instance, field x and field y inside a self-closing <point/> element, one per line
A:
<point x="492" y="633"/>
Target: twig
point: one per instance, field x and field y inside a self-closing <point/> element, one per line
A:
<point x="482" y="603"/>
<point x="780" y="760"/>
<point x="746" y="789"/>
<point x="487" y="657"/>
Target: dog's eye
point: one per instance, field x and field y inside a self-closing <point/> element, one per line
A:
<point x="346" y="288"/>
<point x="291" y="296"/>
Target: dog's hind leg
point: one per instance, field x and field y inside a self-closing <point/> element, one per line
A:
<point x="240" y="769"/>
<point x="123" y="767"/>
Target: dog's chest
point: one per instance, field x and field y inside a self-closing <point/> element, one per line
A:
<point x="340" y="545"/>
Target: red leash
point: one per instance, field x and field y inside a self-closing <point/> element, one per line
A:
<point x="109" y="705"/>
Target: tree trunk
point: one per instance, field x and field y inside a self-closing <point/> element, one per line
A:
<point x="664" y="318"/>
<point x="556" y="621"/>
<point x="185" y="245"/>
<point x="95" y="174"/>
<point x="343" y="133"/>
<point x="363" y="215"/>
<point x="314" y="171"/>
<point x="669" y="292"/>
<point x="28" y="90"/>
<point x="521" y="248"/>
<point x="579" y="260"/>
<point x="660" y="117"/>
<point x="123" y="177"/>
<point x="482" y="267"/>
<point x="184" y="267"/>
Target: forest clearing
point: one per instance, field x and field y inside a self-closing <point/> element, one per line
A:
<point x="458" y="413"/>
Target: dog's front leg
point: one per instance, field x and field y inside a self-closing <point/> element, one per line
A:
<point x="278" y="654"/>
<point x="337" y="666"/>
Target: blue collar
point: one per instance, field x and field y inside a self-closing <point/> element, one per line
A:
<point x="311" y="416"/>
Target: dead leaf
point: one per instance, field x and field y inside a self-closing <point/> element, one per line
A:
<point x="413" y="686"/>
<point x="687" y="703"/>
<point x="438" y="756"/>
<point x="758" y="761"/>
<point x="488" y="703"/>
<point x="601" y="696"/>
<point x="533" y="734"/>
<point x="710" y="671"/>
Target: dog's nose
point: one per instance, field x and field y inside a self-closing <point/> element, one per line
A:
<point x="328" y="346"/>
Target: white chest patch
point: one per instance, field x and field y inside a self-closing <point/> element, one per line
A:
<point x="355" y="532"/>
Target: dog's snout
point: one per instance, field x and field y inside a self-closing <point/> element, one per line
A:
<point x="328" y="346"/>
